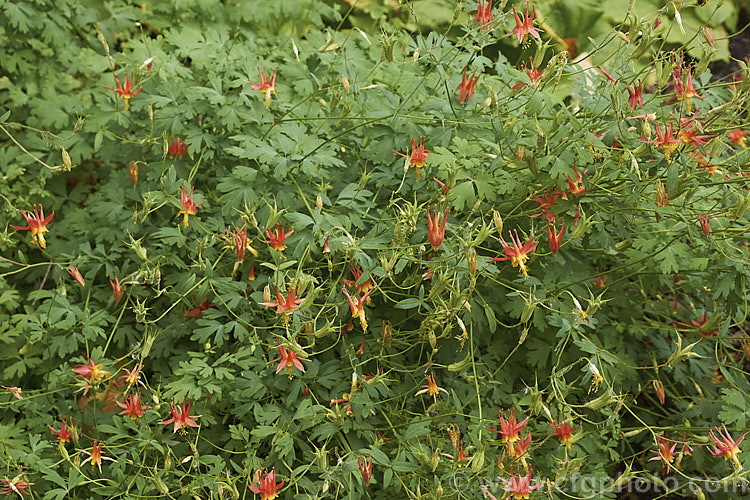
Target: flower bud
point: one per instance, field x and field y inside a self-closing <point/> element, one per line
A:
<point x="471" y="259"/>
<point x="498" y="222"/>
<point x="319" y="202"/>
<point x="708" y="35"/>
<point x="345" y="83"/>
<point x="66" y="159"/>
<point x="133" y="168"/>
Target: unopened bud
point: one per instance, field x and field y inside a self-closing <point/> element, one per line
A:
<point x="66" y="158"/>
<point x="319" y="202"/>
<point x="133" y="169"/>
<point x="519" y="154"/>
<point x="498" y="222"/>
<point x="708" y="35"/>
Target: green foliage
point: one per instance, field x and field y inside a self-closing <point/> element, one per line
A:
<point x="253" y="201"/>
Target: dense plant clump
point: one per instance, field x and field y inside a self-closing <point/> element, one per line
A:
<point x="265" y="250"/>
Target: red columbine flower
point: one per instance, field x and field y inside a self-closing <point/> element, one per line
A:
<point x="519" y="450"/>
<point x="16" y="391"/>
<point x="267" y="487"/>
<point x="276" y="239"/>
<point x="727" y="447"/>
<point x="238" y="238"/>
<point x="177" y="148"/>
<point x="132" y="406"/>
<point x="666" y="140"/>
<point x="181" y="417"/>
<point x="484" y="14"/>
<point x="705" y="222"/>
<point x="124" y="92"/>
<point x="266" y="86"/>
<point x="517" y="254"/>
<point x="736" y="137"/>
<point x="431" y="388"/>
<point x="73" y="270"/>
<point x="95" y="456"/>
<point x="190" y="207"/>
<point x="575" y="188"/>
<point x="365" y="287"/>
<point x="665" y="452"/>
<point x="525" y="27"/>
<point x="700" y="325"/>
<point x="689" y="91"/>
<point x="534" y="74"/>
<point x="563" y="431"/>
<point x="15" y="485"/>
<point x="289" y="359"/>
<point x="201" y="306"/>
<point x="519" y="486"/>
<point x="64" y="434"/>
<point x="554" y="237"/>
<point x="91" y="371"/>
<point x="466" y="87"/>
<point x="510" y="429"/>
<point x="133" y="377"/>
<point x="285" y="306"/>
<point x="365" y="466"/>
<point x="546" y="202"/>
<point x="418" y="156"/>
<point x="358" y="308"/>
<point x="635" y="98"/>
<point x="117" y="290"/>
<point x="435" y="233"/>
<point x="37" y="224"/>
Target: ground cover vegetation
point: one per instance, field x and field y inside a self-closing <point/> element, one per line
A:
<point x="304" y="249"/>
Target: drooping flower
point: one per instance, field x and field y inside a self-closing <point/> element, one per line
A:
<point x="576" y="188"/>
<point x="665" y="452"/>
<point x="365" y="467"/>
<point x="133" y="377"/>
<point x="635" y="96"/>
<point x="73" y="270"/>
<point x="64" y="434"/>
<point x="365" y="286"/>
<point x="190" y="207"/>
<point x="266" y="85"/>
<point x="435" y="232"/>
<point x="357" y="307"/>
<point x="563" y="431"/>
<point x="132" y="406"/>
<point x="287" y="305"/>
<point x="519" y="486"/>
<point x="117" y="290"/>
<point x="197" y="311"/>
<point x="276" y="238"/>
<point x="700" y="325"/>
<point x="534" y="74"/>
<point x="509" y="429"/>
<point x="484" y="14"/>
<point x="418" y="156"/>
<point x="526" y="27"/>
<point x="517" y="254"/>
<point x="95" y="455"/>
<point x="666" y="140"/>
<point x="91" y="372"/>
<point x="177" y="148"/>
<point x="16" y="485"/>
<point x="16" y="391"/>
<point x="239" y="239"/>
<point x="431" y="388"/>
<point x="555" y="238"/>
<point x="726" y="446"/>
<point x="327" y="245"/>
<point x="267" y="488"/>
<point x="125" y="92"/>
<point x="181" y="417"/>
<point x="688" y="92"/>
<point x="736" y="137"/>
<point x="289" y="359"/>
<point x="519" y="450"/>
<point x="466" y="87"/>
<point x="37" y="224"/>
<point x="546" y="202"/>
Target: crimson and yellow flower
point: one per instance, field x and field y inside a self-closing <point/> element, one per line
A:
<point x="125" y="92"/>
<point x="37" y="224"/>
<point x="181" y="417"/>
<point x="267" y="488"/>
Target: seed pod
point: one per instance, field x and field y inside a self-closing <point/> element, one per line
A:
<point x="498" y="222"/>
<point x="66" y="158"/>
<point x="345" y="83"/>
